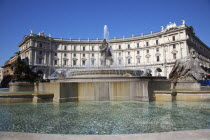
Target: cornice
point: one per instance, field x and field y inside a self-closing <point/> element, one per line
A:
<point x="99" y="41"/>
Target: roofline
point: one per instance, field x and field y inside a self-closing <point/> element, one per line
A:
<point x="97" y="41"/>
<point x="113" y="40"/>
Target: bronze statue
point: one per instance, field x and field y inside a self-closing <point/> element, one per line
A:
<point x="106" y="52"/>
<point x="187" y="67"/>
<point x="23" y="73"/>
<point x="148" y="72"/>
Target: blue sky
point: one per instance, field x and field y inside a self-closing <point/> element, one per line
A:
<point x="86" y="18"/>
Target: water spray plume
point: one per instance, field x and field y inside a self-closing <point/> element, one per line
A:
<point x="106" y="32"/>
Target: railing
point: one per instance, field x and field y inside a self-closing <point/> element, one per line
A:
<point x="61" y="39"/>
<point x="113" y="39"/>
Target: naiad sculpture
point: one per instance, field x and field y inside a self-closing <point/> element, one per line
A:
<point x="187" y="67"/>
<point x="106" y="53"/>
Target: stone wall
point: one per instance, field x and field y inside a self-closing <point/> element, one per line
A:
<point x="21" y="86"/>
<point x="84" y="90"/>
<point x="197" y="97"/>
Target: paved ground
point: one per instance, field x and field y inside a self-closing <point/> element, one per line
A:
<point x="179" y="135"/>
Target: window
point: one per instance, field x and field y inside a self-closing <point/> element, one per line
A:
<point x="119" y="53"/>
<point x="138" y="60"/>
<point x="137" y="45"/>
<point x="92" y="48"/>
<point x="74" y="62"/>
<point x="83" y="62"/>
<point x="40" y="52"/>
<point x="75" y="48"/>
<point x="74" y="54"/>
<point x="65" y="48"/>
<point x="92" y="54"/>
<point x="129" y="61"/>
<point x="138" y="52"/>
<point x="158" y="58"/>
<point x="64" y="54"/>
<point x="147" y="43"/>
<point x="83" y="48"/>
<point x="157" y="50"/>
<point x="147" y="51"/>
<point x="174" y="56"/>
<point x="173" y="38"/>
<point x="65" y="62"/>
<point x="55" y="62"/>
<point x="156" y="42"/>
<point x="40" y="61"/>
<point x="40" y="45"/>
<point x="120" y="61"/>
<point x="129" y="46"/>
<point x="174" y="46"/>
<point x="56" y="47"/>
<point x="147" y="60"/>
<point x="83" y="55"/>
<point x="119" y="47"/>
<point x="55" y="54"/>
<point x="92" y="61"/>
<point x="128" y="53"/>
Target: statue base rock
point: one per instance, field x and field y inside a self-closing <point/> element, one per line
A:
<point x="186" y="83"/>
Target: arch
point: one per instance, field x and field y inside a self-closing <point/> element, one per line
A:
<point x="158" y="72"/>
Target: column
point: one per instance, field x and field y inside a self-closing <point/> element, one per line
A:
<point x="165" y="61"/>
<point x="71" y="59"/>
<point x="30" y="57"/>
<point x="80" y="61"/>
<point x="45" y="58"/>
<point x="50" y="59"/>
<point x="31" y="43"/>
<point x="98" y="60"/>
<point x="153" y="55"/>
<point x="134" y="59"/>
<point x="124" y="57"/>
<point x="187" y="48"/>
<point x="61" y="60"/>
<point x="180" y="47"/>
<point x="143" y="56"/>
<point x="35" y="57"/>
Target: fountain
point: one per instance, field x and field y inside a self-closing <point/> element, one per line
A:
<point x="103" y="118"/>
<point x="105" y="83"/>
<point x="105" y="71"/>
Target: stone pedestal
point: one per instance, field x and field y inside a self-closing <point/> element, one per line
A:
<point x="21" y="86"/>
<point x="186" y="83"/>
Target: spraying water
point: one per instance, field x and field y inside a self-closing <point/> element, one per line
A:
<point x="106" y="32"/>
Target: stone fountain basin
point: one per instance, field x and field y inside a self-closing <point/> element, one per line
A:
<point x="105" y="73"/>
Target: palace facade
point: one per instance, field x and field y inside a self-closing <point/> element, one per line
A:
<point x="156" y="51"/>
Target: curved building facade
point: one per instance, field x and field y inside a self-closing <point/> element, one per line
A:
<point x="157" y="51"/>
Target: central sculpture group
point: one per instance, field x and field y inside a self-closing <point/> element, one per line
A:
<point x="106" y="52"/>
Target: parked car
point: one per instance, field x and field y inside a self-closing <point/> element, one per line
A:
<point x="206" y="82"/>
